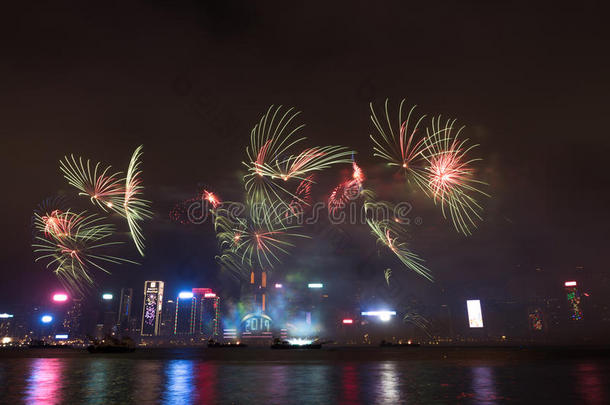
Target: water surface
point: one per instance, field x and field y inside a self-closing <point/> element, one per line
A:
<point x="351" y="376"/>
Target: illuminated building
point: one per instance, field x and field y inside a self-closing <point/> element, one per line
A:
<point x="124" y="314"/>
<point x="184" y="321"/>
<point x="6" y="325"/>
<point x="167" y="318"/>
<point x="536" y="319"/>
<point x="207" y="313"/>
<point x="257" y="324"/>
<point x="260" y="291"/>
<point x="153" y="305"/>
<point x="475" y="315"/>
<point x="573" y="297"/>
<point x="72" y="320"/>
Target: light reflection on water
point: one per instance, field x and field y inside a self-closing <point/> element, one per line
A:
<point x="45" y="382"/>
<point x="179" y="386"/>
<point x="124" y="380"/>
<point x="483" y="385"/>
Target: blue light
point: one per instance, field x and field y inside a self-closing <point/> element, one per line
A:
<point x="63" y="336"/>
<point x="382" y="315"/>
<point x="46" y="319"/>
<point x="185" y="295"/>
<point x="107" y="296"/>
<point x="315" y="285"/>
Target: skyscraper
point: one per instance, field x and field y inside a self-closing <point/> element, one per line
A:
<point x="124" y="315"/>
<point x="207" y="313"/>
<point x="152" y="309"/>
<point x="72" y="320"/>
<point x="185" y="313"/>
<point x="573" y="297"/>
<point x="168" y="317"/>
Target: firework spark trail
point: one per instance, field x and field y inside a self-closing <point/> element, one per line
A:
<point x="392" y="234"/>
<point x="135" y="208"/>
<point x="211" y="198"/>
<point x="416" y="319"/>
<point x="101" y="186"/>
<point x="402" y="147"/>
<point x="303" y="197"/>
<point x="74" y="246"/>
<point x="346" y="191"/>
<point x="387" y="274"/>
<point x="451" y="176"/>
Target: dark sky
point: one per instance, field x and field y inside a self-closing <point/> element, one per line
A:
<point x="189" y="80"/>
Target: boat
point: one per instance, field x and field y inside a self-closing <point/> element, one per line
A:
<point x="212" y="344"/>
<point x="287" y="345"/>
<point x="41" y="344"/>
<point x="399" y="344"/>
<point x="112" y="345"/>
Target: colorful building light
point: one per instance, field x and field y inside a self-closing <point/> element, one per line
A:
<point x="62" y="336"/>
<point x="185" y="295"/>
<point x="46" y="319"/>
<point x="209" y="295"/>
<point x="570" y="284"/>
<point x="107" y="296"/>
<point x="315" y="285"/>
<point x="348" y="321"/>
<point x="382" y="315"/>
<point x="60" y="297"/>
<point x="152" y="308"/>
<point x="475" y="315"/>
<point x="300" y="341"/>
<point x="573" y="297"/>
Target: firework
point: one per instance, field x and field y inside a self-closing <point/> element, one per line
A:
<point x="211" y="198"/>
<point x="346" y="191"/>
<point x="415" y="318"/>
<point x="303" y="197"/>
<point x="134" y="208"/>
<point x="195" y="210"/>
<point x="451" y="176"/>
<point x="103" y="187"/>
<point x="271" y="164"/>
<point x="72" y="245"/>
<point x="258" y="236"/>
<point x="387" y="274"/>
<point x="401" y="143"/>
<point x="391" y="234"/>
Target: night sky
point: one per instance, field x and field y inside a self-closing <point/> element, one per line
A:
<point x="189" y="80"/>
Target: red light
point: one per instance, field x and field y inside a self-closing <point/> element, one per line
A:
<point x="570" y="284"/>
<point x="348" y="321"/>
<point x="209" y="295"/>
<point x="60" y="297"/>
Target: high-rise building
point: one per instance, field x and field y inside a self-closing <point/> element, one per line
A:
<point x="168" y="317"/>
<point x="152" y="309"/>
<point x="207" y="313"/>
<point x="125" y="308"/>
<point x="184" y="322"/>
<point x="72" y="320"/>
<point x="573" y="297"/>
